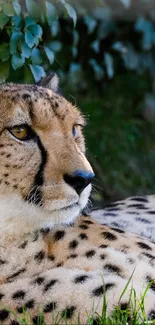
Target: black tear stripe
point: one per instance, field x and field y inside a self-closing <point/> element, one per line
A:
<point x="35" y="194"/>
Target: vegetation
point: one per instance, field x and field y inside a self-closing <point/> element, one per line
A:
<point x="132" y="314"/>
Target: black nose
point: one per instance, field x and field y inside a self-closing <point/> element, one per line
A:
<point x="79" y="180"/>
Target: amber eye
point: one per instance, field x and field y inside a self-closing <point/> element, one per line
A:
<point x="22" y="132"/>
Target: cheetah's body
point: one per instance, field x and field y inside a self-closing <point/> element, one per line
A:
<point x="63" y="269"/>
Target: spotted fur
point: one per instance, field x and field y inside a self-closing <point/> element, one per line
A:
<point x="52" y="257"/>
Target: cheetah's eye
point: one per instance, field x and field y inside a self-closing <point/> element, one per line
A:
<point x="75" y="131"/>
<point x="22" y="132"/>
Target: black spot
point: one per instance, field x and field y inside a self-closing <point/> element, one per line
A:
<point x="50" y="284"/>
<point x="108" y="235"/>
<point x="151" y="315"/>
<point x="14" y="322"/>
<point x="100" y="290"/>
<point x="45" y="231"/>
<point x="26" y="96"/>
<point x="90" y="253"/>
<point x="50" y="307"/>
<point x="36" y="236"/>
<point x="20" y="310"/>
<point x="144" y="246"/>
<point x="4" y="314"/>
<point x="151" y="212"/>
<point x="35" y="194"/>
<point x="1" y="295"/>
<point x="118" y="230"/>
<point x="103" y="246"/>
<point x="39" y="280"/>
<point x="72" y="256"/>
<point x="113" y="209"/>
<point x="68" y="312"/>
<point x="124" y="306"/>
<point x="37" y="320"/>
<point x="109" y="214"/>
<point x="51" y="257"/>
<point x="29" y="304"/>
<point x="102" y="256"/>
<point x="83" y="236"/>
<point x="59" y="235"/>
<point x="84" y="227"/>
<point x="20" y="294"/>
<point x="133" y="213"/>
<point x="59" y="264"/>
<point x="23" y="245"/>
<point x="39" y="256"/>
<point x="112" y="205"/>
<point x="2" y="262"/>
<point x="152" y="281"/>
<point x="143" y="220"/>
<point x="148" y="255"/>
<point x="137" y="206"/>
<point x="73" y="244"/>
<point x="88" y="222"/>
<point x="8" y="155"/>
<point x="139" y="199"/>
<point x="14" y="275"/>
<point x="112" y="268"/>
<point x="130" y="260"/>
<point x="81" y="278"/>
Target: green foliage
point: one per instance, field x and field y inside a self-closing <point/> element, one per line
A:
<point x="93" y="39"/>
<point x="23" y="41"/>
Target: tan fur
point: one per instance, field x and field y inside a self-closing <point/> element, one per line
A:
<point x="64" y="267"/>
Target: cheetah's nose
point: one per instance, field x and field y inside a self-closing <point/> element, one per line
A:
<point x="79" y="180"/>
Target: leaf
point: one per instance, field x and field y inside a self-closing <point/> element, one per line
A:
<point x="17" y="7"/>
<point x="49" y="54"/>
<point x="36" y="30"/>
<point x="50" y="12"/>
<point x="126" y="3"/>
<point x="71" y="12"/>
<point x="99" y="72"/>
<point x="29" y="39"/>
<point x="55" y="28"/>
<point x="26" y="51"/>
<point x="37" y="71"/>
<point x="29" y="21"/>
<point x="55" y="46"/>
<point x="109" y="65"/>
<point x="96" y="46"/>
<point x="90" y="23"/>
<point x="4" y="52"/>
<point x="17" y="61"/>
<point x="16" y="37"/>
<point x="8" y="9"/>
<point x="36" y="57"/>
<point x="119" y="47"/>
<point x="17" y="22"/>
<point x="3" y="20"/>
<point x="4" y="71"/>
<point x="33" y="8"/>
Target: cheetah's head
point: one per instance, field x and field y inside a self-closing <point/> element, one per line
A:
<point x="44" y="175"/>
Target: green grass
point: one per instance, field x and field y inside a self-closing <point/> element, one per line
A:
<point x="133" y="314"/>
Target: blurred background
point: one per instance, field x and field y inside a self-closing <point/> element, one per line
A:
<point x="104" y="54"/>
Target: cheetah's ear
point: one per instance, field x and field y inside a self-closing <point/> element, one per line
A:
<point x="51" y="81"/>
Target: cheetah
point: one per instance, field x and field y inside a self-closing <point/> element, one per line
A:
<point x="53" y="257"/>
